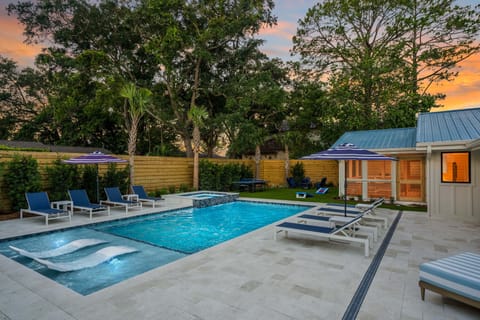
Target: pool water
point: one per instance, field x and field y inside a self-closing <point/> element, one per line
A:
<point x="159" y="238"/>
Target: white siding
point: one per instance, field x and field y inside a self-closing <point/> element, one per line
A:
<point x="455" y="199"/>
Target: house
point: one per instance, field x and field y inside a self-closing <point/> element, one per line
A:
<point x="438" y="163"/>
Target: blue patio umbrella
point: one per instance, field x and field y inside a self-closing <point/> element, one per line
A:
<point x="347" y="151"/>
<point x="95" y="158"/>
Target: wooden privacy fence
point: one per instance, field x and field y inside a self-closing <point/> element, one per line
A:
<point x="165" y="172"/>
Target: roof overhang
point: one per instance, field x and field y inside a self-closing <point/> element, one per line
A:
<point x="396" y="150"/>
<point x="449" y="145"/>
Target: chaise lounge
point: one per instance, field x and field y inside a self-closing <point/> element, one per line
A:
<point x="39" y="204"/>
<point x="456" y="277"/>
<point x="352" y="212"/>
<point x="144" y="197"/>
<point x="115" y="198"/>
<point x="82" y="202"/>
<point x="328" y="232"/>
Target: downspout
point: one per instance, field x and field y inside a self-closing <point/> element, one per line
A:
<point x="428" y="183"/>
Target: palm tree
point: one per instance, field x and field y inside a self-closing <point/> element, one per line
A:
<point x="137" y="102"/>
<point x="196" y="115"/>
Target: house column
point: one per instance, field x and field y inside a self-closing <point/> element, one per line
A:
<point x="364" y="180"/>
<point x="394" y="180"/>
<point x="341" y="178"/>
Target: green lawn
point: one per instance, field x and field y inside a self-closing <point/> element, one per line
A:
<point x="330" y="196"/>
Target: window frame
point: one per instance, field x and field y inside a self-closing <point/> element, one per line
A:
<point x="469" y="167"/>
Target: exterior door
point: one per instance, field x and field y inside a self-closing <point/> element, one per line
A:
<point x="411" y="179"/>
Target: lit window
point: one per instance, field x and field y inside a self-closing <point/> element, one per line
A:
<point x="456" y="167"/>
<point x="354" y="169"/>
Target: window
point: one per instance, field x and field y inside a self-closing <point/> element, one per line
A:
<point x="456" y="167"/>
<point x="354" y="169"/>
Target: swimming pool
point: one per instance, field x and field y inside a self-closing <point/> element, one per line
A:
<point x="159" y="238"/>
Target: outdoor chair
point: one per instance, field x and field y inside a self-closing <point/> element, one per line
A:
<point x="352" y="212"/>
<point x="82" y="202"/>
<point x="456" y="277"/>
<point x="39" y="204"/>
<point x="356" y="229"/>
<point x="115" y="198"/>
<point x="144" y="197"/>
<point x="291" y="182"/>
<point x="327" y="232"/>
<point x="306" y="183"/>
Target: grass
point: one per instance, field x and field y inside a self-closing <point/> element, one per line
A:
<point x="330" y="196"/>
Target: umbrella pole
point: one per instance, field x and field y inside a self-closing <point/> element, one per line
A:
<point x="345" y="188"/>
<point x="98" y="191"/>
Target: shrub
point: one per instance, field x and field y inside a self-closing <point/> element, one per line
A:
<point x="60" y="178"/>
<point x="21" y="176"/>
<point x="116" y="178"/>
<point x="184" y="188"/>
<point x="172" y="189"/>
<point x="218" y="177"/>
<point x="298" y="173"/>
<point x="89" y="182"/>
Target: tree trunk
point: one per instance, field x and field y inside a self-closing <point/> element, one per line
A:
<point x="287" y="161"/>
<point x="132" y="146"/>
<point x="258" y="157"/>
<point x="196" y="149"/>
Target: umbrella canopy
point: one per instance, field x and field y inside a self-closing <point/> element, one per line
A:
<point x="347" y="151"/>
<point x="96" y="158"/>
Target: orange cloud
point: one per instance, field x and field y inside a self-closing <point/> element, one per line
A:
<point x="464" y="90"/>
<point x="11" y="44"/>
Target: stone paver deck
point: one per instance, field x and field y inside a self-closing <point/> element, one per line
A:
<point x="254" y="277"/>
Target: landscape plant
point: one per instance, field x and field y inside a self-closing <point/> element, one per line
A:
<point x="22" y="175"/>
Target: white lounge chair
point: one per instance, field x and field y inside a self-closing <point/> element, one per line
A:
<point x="367" y="214"/>
<point x="325" y="232"/>
<point x="144" y="197"/>
<point x="115" y="198"/>
<point x="82" y="202"/>
<point x="356" y="229"/>
<point x="39" y="204"/>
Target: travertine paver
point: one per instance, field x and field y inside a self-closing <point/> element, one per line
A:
<point x="394" y="292"/>
<point x="254" y="277"/>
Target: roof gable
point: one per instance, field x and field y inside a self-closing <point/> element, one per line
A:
<point x="454" y="125"/>
<point x="397" y="138"/>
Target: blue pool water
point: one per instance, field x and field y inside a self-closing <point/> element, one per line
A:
<point x="159" y="238"/>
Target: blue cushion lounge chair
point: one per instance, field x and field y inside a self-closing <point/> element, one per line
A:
<point x="143" y="196"/>
<point x="39" y="204"/>
<point x="291" y="182"/>
<point x="456" y="277"/>
<point x="81" y="202"/>
<point x="115" y="198"/>
<point x="326" y="232"/>
<point x="360" y="206"/>
<point x="355" y="229"/>
<point x="352" y="212"/>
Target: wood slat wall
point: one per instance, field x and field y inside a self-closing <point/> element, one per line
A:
<point x="164" y="172"/>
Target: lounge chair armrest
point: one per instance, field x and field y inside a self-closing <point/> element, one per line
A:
<point x="130" y="197"/>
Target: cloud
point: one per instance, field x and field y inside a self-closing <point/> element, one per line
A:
<point x="11" y="44"/>
<point x="463" y="91"/>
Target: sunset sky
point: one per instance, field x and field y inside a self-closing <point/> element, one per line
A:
<point x="464" y="92"/>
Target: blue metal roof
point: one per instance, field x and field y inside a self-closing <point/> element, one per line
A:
<point x="380" y="139"/>
<point x="454" y="125"/>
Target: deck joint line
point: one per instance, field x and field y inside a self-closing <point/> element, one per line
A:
<point x="361" y="292"/>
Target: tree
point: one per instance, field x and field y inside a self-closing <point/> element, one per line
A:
<point x="22" y="97"/>
<point x="137" y="102"/>
<point x="199" y="45"/>
<point x="378" y="58"/>
<point x="94" y="48"/>
<point x="197" y="115"/>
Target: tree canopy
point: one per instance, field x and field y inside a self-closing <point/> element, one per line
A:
<point x="361" y="65"/>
